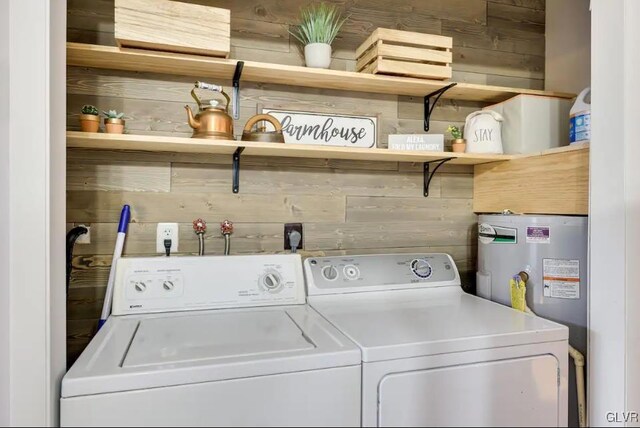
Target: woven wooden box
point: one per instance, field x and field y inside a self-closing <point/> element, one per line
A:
<point x="173" y="26"/>
<point x="405" y="53"/>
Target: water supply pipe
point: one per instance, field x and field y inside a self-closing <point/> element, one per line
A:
<point x="578" y="361"/>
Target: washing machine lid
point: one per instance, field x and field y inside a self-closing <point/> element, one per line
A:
<point x="139" y="352"/>
<point x="414" y="323"/>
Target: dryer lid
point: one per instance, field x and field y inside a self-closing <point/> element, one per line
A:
<point x="415" y="323"/>
<point x="149" y="351"/>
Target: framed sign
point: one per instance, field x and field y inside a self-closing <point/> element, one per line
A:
<point x="326" y="129"/>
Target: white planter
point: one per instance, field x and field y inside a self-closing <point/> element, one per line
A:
<point x="317" y="55"/>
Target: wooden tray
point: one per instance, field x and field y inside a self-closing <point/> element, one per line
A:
<point x="405" y="53"/>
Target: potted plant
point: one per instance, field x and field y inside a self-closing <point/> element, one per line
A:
<point x="458" y="144"/>
<point x="319" y="26"/>
<point x="113" y="122"/>
<point x="89" y="119"/>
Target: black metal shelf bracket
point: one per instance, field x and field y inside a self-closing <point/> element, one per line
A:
<point x="428" y="174"/>
<point x="237" y="74"/>
<point x="428" y="106"/>
<point x="236" y="169"/>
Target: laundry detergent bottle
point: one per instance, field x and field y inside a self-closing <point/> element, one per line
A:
<point x="580" y="118"/>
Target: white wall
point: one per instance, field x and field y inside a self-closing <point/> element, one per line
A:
<point x="632" y="202"/>
<point x="614" y="355"/>
<point x="568" y="45"/>
<point x="4" y="214"/>
<point x="36" y="209"/>
<point x="57" y="185"/>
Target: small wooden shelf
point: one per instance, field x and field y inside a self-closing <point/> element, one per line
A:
<point x="195" y="145"/>
<point x="554" y="181"/>
<point x="108" y="57"/>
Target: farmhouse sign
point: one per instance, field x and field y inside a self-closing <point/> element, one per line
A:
<point x="326" y="129"/>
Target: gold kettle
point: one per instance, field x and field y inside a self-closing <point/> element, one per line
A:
<point x="261" y="133"/>
<point x="212" y="121"/>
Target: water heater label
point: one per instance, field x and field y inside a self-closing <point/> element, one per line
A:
<point x="488" y="234"/>
<point x="561" y="278"/>
<point x="538" y="234"/>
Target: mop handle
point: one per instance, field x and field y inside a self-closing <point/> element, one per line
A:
<point x="125" y="216"/>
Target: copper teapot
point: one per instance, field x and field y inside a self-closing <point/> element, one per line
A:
<point x="212" y="120"/>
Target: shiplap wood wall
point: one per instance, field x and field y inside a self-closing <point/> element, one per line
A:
<point x="346" y="207"/>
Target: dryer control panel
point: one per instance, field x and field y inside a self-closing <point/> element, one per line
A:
<point x="167" y="284"/>
<point x="331" y="275"/>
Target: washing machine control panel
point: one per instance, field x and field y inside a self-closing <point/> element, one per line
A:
<point x="389" y="271"/>
<point x="164" y="284"/>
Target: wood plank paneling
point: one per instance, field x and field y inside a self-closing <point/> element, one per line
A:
<point x="87" y="206"/>
<point x="521" y="15"/>
<point x="531" y="4"/>
<point x="347" y="207"/>
<point x="119" y="176"/>
<point x="402" y="209"/>
<point x="204" y="158"/>
<point x="299" y="181"/>
<point x="387" y="234"/>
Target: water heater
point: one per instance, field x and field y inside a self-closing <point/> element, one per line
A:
<point x="552" y="250"/>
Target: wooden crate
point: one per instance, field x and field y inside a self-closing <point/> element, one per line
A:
<point x="173" y="26"/>
<point x="405" y="53"/>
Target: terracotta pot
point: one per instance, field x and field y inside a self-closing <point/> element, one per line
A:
<point x="459" y="145"/>
<point x="89" y="122"/>
<point x="114" y="126"/>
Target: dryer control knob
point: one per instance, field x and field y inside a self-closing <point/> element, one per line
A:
<point x="168" y="285"/>
<point x="421" y="268"/>
<point x="140" y="286"/>
<point x="330" y="273"/>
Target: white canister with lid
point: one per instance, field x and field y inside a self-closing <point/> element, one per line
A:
<point x="483" y="132"/>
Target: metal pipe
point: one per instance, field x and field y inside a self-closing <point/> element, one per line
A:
<point x="578" y="361"/>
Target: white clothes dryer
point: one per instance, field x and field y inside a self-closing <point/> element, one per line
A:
<point x="433" y="355"/>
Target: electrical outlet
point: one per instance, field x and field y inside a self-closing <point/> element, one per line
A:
<point x="85" y="238"/>
<point x="288" y="227"/>
<point x="167" y="231"/>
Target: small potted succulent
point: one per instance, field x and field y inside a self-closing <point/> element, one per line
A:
<point x="89" y="119"/>
<point x="458" y="144"/>
<point x="113" y="122"/>
<point x="318" y="28"/>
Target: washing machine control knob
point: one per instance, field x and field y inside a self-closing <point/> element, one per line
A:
<point x="168" y="285"/>
<point x="421" y="268"/>
<point x="272" y="281"/>
<point x="140" y="286"/>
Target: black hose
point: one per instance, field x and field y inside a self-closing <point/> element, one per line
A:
<point x="72" y="236"/>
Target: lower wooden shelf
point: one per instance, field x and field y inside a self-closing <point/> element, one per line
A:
<point x="195" y="145"/>
<point x="555" y="181"/>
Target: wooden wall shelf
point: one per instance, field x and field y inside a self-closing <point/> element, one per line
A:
<point x="114" y="58"/>
<point x="196" y="145"/>
<point x="555" y="181"/>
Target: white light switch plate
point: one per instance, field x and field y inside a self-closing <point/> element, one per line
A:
<point x="167" y="231"/>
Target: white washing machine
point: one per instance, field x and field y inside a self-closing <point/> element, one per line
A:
<point x="213" y="341"/>
<point x="433" y="355"/>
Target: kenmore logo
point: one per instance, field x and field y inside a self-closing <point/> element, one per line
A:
<point x="134" y="306"/>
